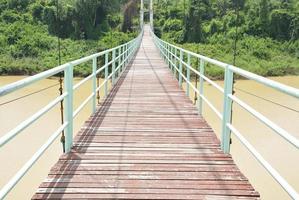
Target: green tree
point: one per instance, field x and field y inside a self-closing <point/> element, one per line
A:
<point x="129" y="12"/>
<point x="198" y="11"/>
<point x="280" y="24"/>
<point x="264" y="16"/>
<point x="18" y="4"/>
<point x="37" y="11"/>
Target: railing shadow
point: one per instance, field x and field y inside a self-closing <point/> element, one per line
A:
<point x="185" y="122"/>
<point x="70" y="162"/>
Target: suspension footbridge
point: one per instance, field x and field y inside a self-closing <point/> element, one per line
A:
<point x="146" y="139"/>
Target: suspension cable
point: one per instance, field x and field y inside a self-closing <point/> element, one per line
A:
<point x="268" y="100"/>
<point x="62" y="139"/>
<point x="27" y="95"/>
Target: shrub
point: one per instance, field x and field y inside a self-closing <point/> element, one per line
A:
<point x="10" y="16"/>
<point x="172" y="25"/>
<point x="3" y="43"/>
<point x="113" y="39"/>
<point x="18" y="4"/>
<point x="37" y="11"/>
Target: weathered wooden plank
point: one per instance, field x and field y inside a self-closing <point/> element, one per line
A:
<point x="162" y="161"/>
<point x="144" y="184"/>
<point x="145" y="167"/>
<point x="141" y="196"/>
<point x="144" y="191"/>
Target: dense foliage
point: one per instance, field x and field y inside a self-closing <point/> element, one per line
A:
<point x="267" y="32"/>
<point x="29" y="30"/>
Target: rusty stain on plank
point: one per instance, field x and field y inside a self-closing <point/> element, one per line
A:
<point x="146" y="141"/>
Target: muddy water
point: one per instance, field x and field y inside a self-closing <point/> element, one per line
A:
<point x="280" y="154"/>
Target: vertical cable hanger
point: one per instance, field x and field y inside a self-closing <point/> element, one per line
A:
<point x="236" y="31"/>
<point x="196" y="78"/>
<point x="62" y="139"/>
<point x="237" y="12"/>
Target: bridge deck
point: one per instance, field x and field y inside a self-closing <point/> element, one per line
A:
<point x="146" y="141"/>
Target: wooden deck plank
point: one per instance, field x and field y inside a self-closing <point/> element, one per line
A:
<point x="146" y="141"/>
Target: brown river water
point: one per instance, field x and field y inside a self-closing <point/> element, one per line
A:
<point x="281" y="155"/>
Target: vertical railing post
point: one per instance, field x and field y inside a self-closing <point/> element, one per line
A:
<point x="106" y="73"/>
<point x="165" y="52"/>
<point x="188" y="75"/>
<point x="168" y="57"/>
<point x="201" y="84"/>
<point x="162" y="50"/>
<point x="68" y="112"/>
<point x="128" y="52"/>
<point x="94" y="84"/>
<point x="119" y="62"/>
<point x="131" y="50"/>
<point x="181" y="68"/>
<point x="227" y="110"/>
<point x="175" y="61"/>
<point x="171" y="58"/>
<point x="113" y="67"/>
<point x="160" y="47"/>
<point x="123" y="57"/>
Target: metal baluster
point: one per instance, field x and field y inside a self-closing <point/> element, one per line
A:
<point x="175" y="62"/>
<point x="94" y="84"/>
<point x="168" y="57"/>
<point x="227" y="110"/>
<point x="181" y="68"/>
<point x="201" y="86"/>
<point x="98" y="85"/>
<point x="106" y="73"/>
<point x="123" y="58"/>
<point x="113" y="67"/>
<point x="68" y="82"/>
<point x="196" y="82"/>
<point x="188" y="75"/>
<point x="171" y="59"/>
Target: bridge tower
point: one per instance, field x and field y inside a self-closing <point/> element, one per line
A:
<point x="151" y="14"/>
<point x="141" y="13"/>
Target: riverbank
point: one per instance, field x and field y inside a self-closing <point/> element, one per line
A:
<point x="261" y="56"/>
<point x="277" y="63"/>
<point x="70" y="50"/>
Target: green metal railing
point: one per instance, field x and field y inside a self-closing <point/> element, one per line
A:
<point x="120" y="58"/>
<point x="179" y="59"/>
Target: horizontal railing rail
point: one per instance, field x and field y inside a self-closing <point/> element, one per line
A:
<point x="120" y="56"/>
<point x="178" y="59"/>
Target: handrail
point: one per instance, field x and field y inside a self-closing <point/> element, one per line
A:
<point x="170" y="53"/>
<point x="125" y="54"/>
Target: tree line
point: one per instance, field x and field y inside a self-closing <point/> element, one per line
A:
<point x="200" y="19"/>
<point x="261" y="36"/>
<point x="29" y="31"/>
